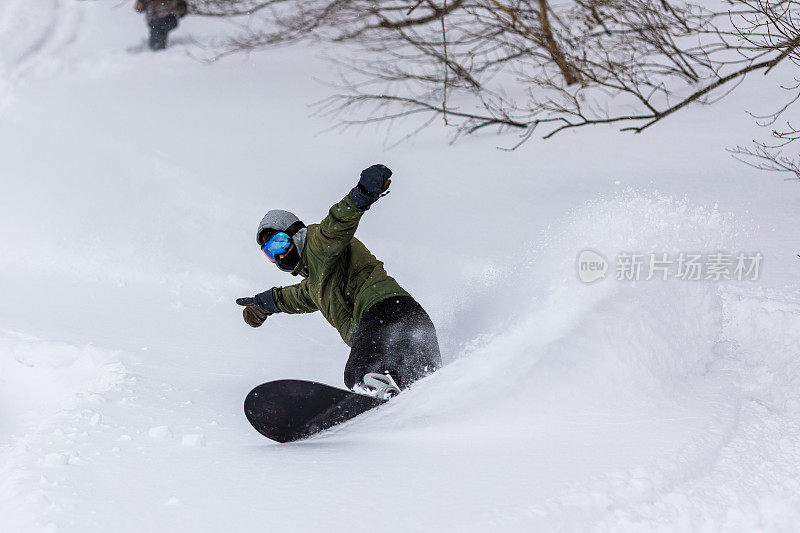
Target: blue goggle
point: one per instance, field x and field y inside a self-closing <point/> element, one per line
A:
<point x="278" y="244"/>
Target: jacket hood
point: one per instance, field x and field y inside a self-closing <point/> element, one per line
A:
<point x="280" y="220"/>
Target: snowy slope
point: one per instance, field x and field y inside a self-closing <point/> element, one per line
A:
<point x="132" y="186"/>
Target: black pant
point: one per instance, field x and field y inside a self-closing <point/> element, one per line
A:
<point x="397" y="336"/>
<point x="159" y="28"/>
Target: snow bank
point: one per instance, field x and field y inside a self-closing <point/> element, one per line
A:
<point x="33" y="32"/>
<point x="641" y="397"/>
<point x="750" y="482"/>
<point x="45" y="377"/>
<point x="611" y="341"/>
<point x="41" y="383"/>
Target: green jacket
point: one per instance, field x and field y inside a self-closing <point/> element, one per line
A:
<point x="342" y="278"/>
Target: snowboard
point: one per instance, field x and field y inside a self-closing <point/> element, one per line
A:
<point x="291" y="409"/>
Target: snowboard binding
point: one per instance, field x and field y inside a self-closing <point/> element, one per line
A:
<point x="380" y="386"/>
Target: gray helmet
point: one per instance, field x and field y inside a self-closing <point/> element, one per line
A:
<point x="280" y="220"/>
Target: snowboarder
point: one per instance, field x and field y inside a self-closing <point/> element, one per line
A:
<point x="391" y="336"/>
<point x="162" y="17"/>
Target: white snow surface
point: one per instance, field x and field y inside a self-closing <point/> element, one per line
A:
<point x="132" y="186"/>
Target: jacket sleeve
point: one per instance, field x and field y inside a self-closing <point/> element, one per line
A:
<point x="294" y="299"/>
<point x="336" y="230"/>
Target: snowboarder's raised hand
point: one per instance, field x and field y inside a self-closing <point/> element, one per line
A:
<point x="373" y="184"/>
<point x="258" y="308"/>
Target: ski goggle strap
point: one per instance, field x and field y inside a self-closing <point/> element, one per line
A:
<point x="280" y="243"/>
<point x="294" y="228"/>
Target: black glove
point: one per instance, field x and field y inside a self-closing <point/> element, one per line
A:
<point x="373" y="183"/>
<point x="258" y="308"/>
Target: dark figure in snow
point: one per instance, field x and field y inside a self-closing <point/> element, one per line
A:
<point x="162" y="17"/>
<point x="393" y="341"/>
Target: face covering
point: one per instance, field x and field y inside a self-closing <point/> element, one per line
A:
<point x="288" y="262"/>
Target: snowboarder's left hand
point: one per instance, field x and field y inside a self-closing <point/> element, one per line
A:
<point x="373" y="184"/>
<point x="258" y="308"/>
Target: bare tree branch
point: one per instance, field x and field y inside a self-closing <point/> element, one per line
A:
<point x="532" y="65"/>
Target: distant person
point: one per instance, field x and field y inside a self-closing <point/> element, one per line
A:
<point x="162" y="17"/>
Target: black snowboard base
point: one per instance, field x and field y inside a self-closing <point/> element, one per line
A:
<point x="291" y="409"/>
